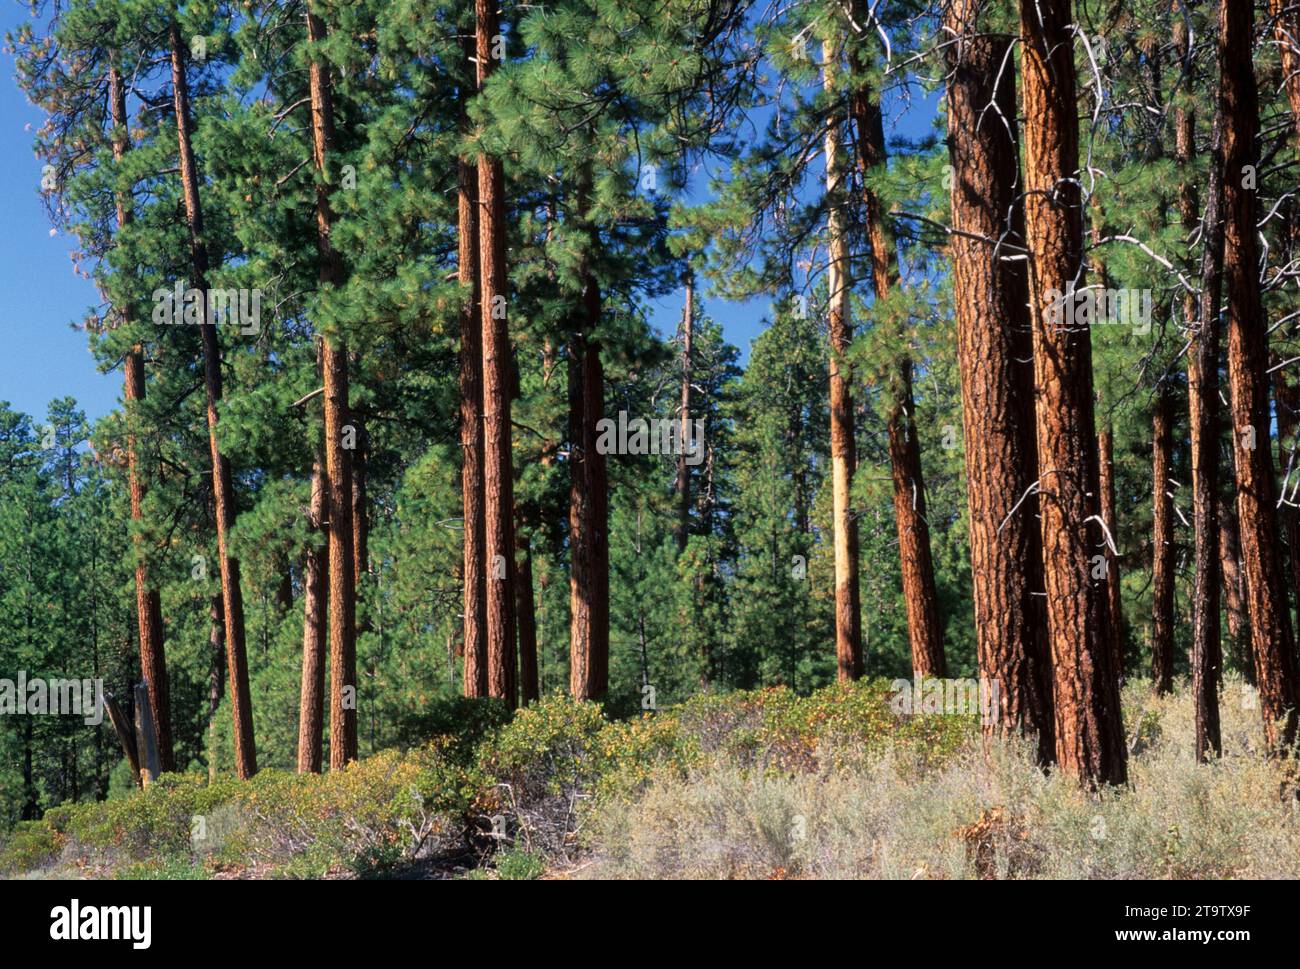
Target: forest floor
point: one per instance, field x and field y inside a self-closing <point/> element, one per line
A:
<point x="764" y="785"/>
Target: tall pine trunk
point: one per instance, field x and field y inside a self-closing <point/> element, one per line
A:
<point x="315" y="628"/>
<point x="997" y="382"/>
<point x="1203" y="410"/>
<point x="1089" y="732"/>
<point x="848" y="601"/>
<point x="340" y="436"/>
<point x="148" y="608"/>
<point x="471" y="426"/>
<point x="1266" y="601"/>
<point x="498" y="485"/>
<point x="588" y="511"/>
<point x="1114" y="610"/>
<point x="1162" y="543"/>
<point x="222" y="487"/>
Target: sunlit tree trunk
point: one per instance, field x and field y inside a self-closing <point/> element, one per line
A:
<point x="1089" y="733"/>
<point x="848" y="603"/>
<point x="994" y="349"/>
<point x="498" y="486"/>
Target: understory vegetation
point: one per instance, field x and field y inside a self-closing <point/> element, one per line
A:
<point x="763" y="784"/>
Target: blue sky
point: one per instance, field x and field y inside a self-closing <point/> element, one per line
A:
<point x="41" y="355"/>
<point x="41" y="298"/>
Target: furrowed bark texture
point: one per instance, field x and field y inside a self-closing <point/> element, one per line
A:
<point x="994" y="347"/>
<point x="498" y="484"/>
<point x="1261" y="557"/>
<point x="1089" y="733"/>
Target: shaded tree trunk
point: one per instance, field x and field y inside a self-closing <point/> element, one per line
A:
<point x="1203" y="412"/>
<point x="153" y="658"/>
<point x="222" y="487"/>
<point x="1162" y="544"/>
<point x="1286" y="395"/>
<point x="848" y="594"/>
<point x="1089" y="733"/>
<point x="315" y="629"/>
<point x="1114" y="610"/>
<point x="360" y="505"/>
<point x="1234" y="588"/>
<point x="216" y="676"/>
<point x="498" y="486"/>
<point x="588" y="516"/>
<point x="1266" y="601"/>
<point x="994" y="347"/>
<point x="528" y="686"/>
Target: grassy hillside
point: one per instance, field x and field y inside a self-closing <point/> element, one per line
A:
<point x="743" y="785"/>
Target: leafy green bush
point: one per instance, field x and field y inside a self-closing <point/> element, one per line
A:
<point x="519" y="865"/>
<point x="30" y="845"/>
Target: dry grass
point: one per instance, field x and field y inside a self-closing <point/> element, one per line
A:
<point x="984" y="812"/>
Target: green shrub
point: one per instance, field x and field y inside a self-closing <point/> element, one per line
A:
<point x="30" y="845"/>
<point x="518" y="865"/>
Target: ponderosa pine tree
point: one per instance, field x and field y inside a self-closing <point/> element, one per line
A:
<point x="990" y="287"/>
<point x="925" y="631"/>
<point x="474" y="607"/>
<point x="153" y="659"/>
<point x="498" y="479"/>
<point x="1089" y="734"/>
<point x="339" y="434"/>
<point x="848" y="601"/>
<point x="1270" y="620"/>
<point x="222" y="485"/>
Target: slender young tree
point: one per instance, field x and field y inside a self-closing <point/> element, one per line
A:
<point x="1266" y="601"/>
<point x="471" y="415"/>
<point x="315" y="628"/>
<point x="994" y="352"/>
<point x="148" y="603"/>
<point x="848" y="603"/>
<point x="222" y="486"/>
<point x="1162" y="543"/>
<point x="924" y="629"/>
<point x="1089" y="733"/>
<point x="1202" y="320"/>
